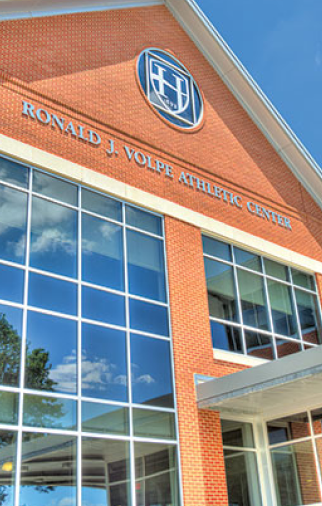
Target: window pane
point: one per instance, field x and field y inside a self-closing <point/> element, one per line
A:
<point x="9" y="407"/>
<point x="102" y="252"/>
<point x="276" y="270"/>
<point x="259" y="345"/>
<point x="10" y="345"/>
<point x="222" y="298"/>
<point x="54" y="188"/>
<point x="156" y="475"/>
<point x="154" y="424"/>
<point x="149" y="317"/>
<point x="53" y="238"/>
<point x="51" y="293"/>
<point x="248" y="259"/>
<point x="317" y="421"/>
<point x="103" y="306"/>
<point x="14" y="173"/>
<point x="104" y="373"/>
<point x="238" y="434"/>
<point x="216" y="248"/>
<point x="151" y="371"/>
<point x="13" y="222"/>
<point x="105" y="472"/>
<point x="11" y="283"/>
<point x="253" y="301"/>
<point x="48" y="471"/>
<point x="49" y="412"/>
<point x="143" y="220"/>
<point x="295" y="475"/>
<point x="51" y="353"/>
<point x="99" y="204"/>
<point x="302" y="279"/>
<point x="283" y="314"/>
<point x="242" y="478"/>
<point x="8" y="452"/>
<point x="285" y="347"/>
<point x="105" y="418"/>
<point x="307" y="306"/>
<point x="146" y="266"/>
<point x="225" y="337"/>
<point x="288" y="428"/>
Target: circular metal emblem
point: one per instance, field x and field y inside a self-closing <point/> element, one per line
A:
<point x="170" y="88"/>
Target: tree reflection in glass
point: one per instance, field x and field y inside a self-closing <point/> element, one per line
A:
<point x="10" y="345"/>
<point x="48" y="470"/>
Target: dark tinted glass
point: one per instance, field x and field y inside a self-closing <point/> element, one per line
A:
<point x="10" y="345"/>
<point x="13" y="222"/>
<point x="51" y="353"/>
<point x="104" y="373"/>
<point x="225" y="337"/>
<point x="317" y="420"/>
<point x="11" y="283"/>
<point x="283" y="314"/>
<point x="156" y="475"/>
<point x="149" y="317"/>
<point x="99" y="204"/>
<point x="285" y="347"/>
<point x="302" y="279"/>
<point x="9" y="402"/>
<point x="259" y="345"/>
<point x="294" y="427"/>
<point x="51" y="293"/>
<point x="216" y="248"/>
<point x="146" y="266"/>
<point x="242" y="478"/>
<point x="247" y="259"/>
<point x="152" y="424"/>
<point x="307" y="306"/>
<point x="276" y="270"/>
<point x="104" y="418"/>
<point x="48" y="471"/>
<point x="105" y="472"/>
<point x="222" y="298"/>
<point x="53" y="238"/>
<point x="253" y="301"/>
<point x="238" y="434"/>
<point x="8" y="456"/>
<point x="143" y="220"/>
<point x="102" y="252"/>
<point x="54" y="188"/>
<point x="151" y="371"/>
<point x="103" y="306"/>
<point x="49" y="412"/>
<point x="14" y="173"/>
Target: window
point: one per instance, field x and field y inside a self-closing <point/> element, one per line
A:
<point x="259" y="307"/>
<point x="87" y="407"/>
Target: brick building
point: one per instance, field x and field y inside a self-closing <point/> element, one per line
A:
<point x="160" y="267"/>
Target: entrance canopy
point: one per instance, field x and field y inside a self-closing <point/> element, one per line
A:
<point x="290" y="383"/>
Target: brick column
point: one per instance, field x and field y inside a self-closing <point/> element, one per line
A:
<point x="199" y="431"/>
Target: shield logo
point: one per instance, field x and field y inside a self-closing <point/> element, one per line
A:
<point x="170" y="86"/>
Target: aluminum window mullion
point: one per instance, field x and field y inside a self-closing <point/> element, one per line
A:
<point x="269" y="308"/>
<point x="23" y="343"/>
<point x="239" y="308"/>
<point x="316" y="453"/>
<point x="128" y="356"/>
<point x="79" y="474"/>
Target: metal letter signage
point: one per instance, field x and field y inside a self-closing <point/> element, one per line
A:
<point x="170" y="88"/>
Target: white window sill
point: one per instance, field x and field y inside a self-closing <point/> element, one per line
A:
<point x="238" y="358"/>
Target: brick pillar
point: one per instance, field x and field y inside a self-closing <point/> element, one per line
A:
<point x="199" y="431"/>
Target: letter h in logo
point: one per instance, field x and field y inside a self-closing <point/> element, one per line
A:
<point x="169" y="88"/>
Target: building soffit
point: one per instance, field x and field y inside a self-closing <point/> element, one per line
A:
<point x="222" y="59"/>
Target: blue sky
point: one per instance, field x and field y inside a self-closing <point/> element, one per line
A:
<point x="280" y="44"/>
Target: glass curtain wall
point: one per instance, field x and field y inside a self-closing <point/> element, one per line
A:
<point x="295" y="443"/>
<point x="87" y="412"/>
<point x="259" y="307"/>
